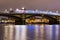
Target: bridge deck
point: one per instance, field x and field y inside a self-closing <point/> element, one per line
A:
<point x="32" y="12"/>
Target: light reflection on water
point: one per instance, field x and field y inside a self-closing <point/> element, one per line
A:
<point x="31" y="32"/>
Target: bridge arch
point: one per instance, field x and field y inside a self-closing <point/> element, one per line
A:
<point x="51" y="19"/>
<point x="19" y="20"/>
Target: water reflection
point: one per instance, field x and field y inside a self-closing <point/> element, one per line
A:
<point x="30" y="32"/>
<point x="20" y="32"/>
<point x="8" y="32"/>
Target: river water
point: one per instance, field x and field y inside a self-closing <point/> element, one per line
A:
<point x="29" y="32"/>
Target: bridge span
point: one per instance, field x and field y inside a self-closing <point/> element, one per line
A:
<point x="20" y="16"/>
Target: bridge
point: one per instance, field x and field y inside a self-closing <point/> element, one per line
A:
<point x="17" y="11"/>
<point x="20" y="16"/>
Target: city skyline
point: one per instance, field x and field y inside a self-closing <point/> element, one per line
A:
<point x="31" y="4"/>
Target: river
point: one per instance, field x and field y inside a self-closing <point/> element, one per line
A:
<point x="29" y="32"/>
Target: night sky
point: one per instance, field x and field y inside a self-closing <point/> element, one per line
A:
<point x="31" y="4"/>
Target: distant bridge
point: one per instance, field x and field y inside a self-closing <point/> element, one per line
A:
<point x="21" y="15"/>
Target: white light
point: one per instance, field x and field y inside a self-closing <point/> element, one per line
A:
<point x="17" y="10"/>
<point x="23" y="8"/>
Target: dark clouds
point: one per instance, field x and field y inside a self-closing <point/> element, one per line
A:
<point x="31" y="4"/>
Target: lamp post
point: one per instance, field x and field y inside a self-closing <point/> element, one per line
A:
<point x="23" y="15"/>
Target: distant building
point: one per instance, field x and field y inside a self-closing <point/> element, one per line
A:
<point x="20" y="11"/>
<point x="5" y="11"/>
<point x="17" y="11"/>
